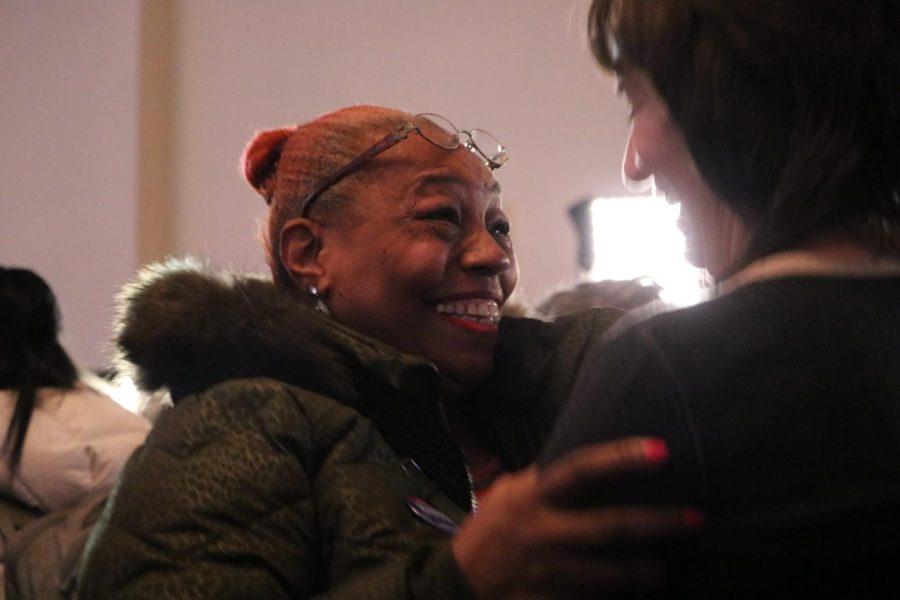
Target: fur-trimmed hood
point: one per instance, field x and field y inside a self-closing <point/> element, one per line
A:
<point x="183" y="326"/>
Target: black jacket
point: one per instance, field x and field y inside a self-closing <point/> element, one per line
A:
<point x="780" y="404"/>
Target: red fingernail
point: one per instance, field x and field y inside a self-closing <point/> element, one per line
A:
<point x="655" y="450"/>
<point x="692" y="518"/>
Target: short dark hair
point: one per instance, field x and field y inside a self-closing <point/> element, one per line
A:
<point x="790" y="108"/>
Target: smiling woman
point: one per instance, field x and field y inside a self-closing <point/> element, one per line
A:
<point x="336" y="432"/>
<point x="435" y="217"/>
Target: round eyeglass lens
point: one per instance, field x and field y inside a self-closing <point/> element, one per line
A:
<point x="489" y="146"/>
<point x="437" y="130"/>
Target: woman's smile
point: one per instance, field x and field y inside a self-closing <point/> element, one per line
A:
<point x="479" y="315"/>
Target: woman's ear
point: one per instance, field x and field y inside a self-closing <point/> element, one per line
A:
<point x="299" y="248"/>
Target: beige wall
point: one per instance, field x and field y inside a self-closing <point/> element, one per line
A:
<point x="68" y="131"/>
<point x="128" y="119"/>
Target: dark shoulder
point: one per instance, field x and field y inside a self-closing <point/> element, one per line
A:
<point x="778" y="313"/>
<point x="565" y="338"/>
<point x="292" y="420"/>
<point x="535" y="365"/>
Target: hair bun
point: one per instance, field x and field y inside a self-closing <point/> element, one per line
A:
<point x="261" y="157"/>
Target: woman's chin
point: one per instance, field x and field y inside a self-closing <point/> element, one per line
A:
<point x="695" y="257"/>
<point x="461" y="375"/>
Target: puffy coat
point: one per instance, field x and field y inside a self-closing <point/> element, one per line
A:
<point x="296" y="445"/>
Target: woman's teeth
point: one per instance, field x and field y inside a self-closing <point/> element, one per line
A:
<point x="480" y="311"/>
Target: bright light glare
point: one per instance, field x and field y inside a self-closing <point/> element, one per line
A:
<point x="123" y="390"/>
<point x="636" y="237"/>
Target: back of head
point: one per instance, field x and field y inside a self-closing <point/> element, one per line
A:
<point x="284" y="165"/>
<point x="30" y="319"/>
<point x="790" y="108"/>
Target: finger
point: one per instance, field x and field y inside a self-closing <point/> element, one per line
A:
<point x="584" y="467"/>
<point x="619" y="526"/>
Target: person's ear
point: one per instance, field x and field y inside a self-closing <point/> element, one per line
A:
<point x="299" y="247"/>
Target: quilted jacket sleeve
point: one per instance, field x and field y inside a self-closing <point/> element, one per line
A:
<point x="254" y="489"/>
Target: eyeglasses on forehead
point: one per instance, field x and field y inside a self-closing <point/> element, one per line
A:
<point x="436" y="129"/>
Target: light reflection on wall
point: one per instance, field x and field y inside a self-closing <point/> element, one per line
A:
<point x="635" y="237"/>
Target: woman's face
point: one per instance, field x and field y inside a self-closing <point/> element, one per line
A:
<point x="425" y="261"/>
<point x="714" y="236"/>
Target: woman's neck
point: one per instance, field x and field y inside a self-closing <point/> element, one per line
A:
<point x="473" y="448"/>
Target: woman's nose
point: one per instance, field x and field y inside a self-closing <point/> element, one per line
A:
<point x="484" y="253"/>
<point x="635" y="173"/>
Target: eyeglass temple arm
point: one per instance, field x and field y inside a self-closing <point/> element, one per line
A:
<point x="377" y="148"/>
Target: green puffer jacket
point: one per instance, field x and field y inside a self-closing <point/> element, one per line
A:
<point x="287" y="466"/>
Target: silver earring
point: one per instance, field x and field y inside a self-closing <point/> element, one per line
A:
<point x="319" y="305"/>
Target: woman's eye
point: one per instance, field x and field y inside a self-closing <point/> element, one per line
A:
<point x="445" y="213"/>
<point x="500" y="228"/>
<point x="500" y="231"/>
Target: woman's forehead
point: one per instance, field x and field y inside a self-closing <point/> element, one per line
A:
<point x="430" y="179"/>
<point x="423" y="164"/>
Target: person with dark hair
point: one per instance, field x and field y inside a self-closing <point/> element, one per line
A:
<point x="364" y="425"/>
<point x="64" y="444"/>
<point x="62" y="438"/>
<point x="31" y="354"/>
<point x="775" y="124"/>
